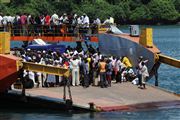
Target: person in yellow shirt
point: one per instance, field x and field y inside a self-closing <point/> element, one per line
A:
<point x="126" y="62"/>
<point x="89" y="60"/>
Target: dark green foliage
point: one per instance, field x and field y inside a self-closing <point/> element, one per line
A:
<point x="124" y="11"/>
<point x="140" y="15"/>
<point x="163" y="10"/>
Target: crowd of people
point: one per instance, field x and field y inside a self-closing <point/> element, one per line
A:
<point x="45" y="24"/>
<point x="88" y="67"/>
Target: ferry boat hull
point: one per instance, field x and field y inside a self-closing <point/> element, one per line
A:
<point x="8" y="71"/>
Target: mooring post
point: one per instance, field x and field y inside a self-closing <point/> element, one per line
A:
<point x="69" y="89"/>
<point x="91" y="106"/>
<point x="23" y="93"/>
<point x="69" y="101"/>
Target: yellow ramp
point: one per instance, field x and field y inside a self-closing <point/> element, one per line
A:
<point x="168" y="60"/>
<point x="46" y="69"/>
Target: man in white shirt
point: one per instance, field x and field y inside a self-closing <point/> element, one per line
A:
<point x="30" y="75"/>
<point x="1" y="20"/>
<point x="139" y="73"/>
<point x="97" y="21"/>
<point x="55" y="19"/>
<point x="4" y="22"/>
<point x="108" y="21"/>
<point x="145" y="74"/>
<point x="75" y="71"/>
<point x="85" y="21"/>
<point x="80" y="20"/>
<point x="63" y="19"/>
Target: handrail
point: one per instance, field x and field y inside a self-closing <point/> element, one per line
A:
<point x="53" y="30"/>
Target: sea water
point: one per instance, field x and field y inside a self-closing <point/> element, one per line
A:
<point x="167" y="39"/>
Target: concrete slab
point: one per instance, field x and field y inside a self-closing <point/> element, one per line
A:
<point x="124" y="96"/>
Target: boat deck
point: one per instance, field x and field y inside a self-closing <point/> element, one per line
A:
<point x="124" y="96"/>
<point x="153" y="49"/>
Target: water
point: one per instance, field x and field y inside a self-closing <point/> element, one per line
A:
<point x="167" y="39"/>
<point x="164" y="114"/>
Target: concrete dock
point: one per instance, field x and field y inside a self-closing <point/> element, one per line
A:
<point x="120" y="96"/>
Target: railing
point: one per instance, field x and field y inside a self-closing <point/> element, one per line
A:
<point x="53" y="30"/>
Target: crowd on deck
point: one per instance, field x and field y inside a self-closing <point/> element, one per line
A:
<point x="45" y="24"/>
<point x="88" y="67"/>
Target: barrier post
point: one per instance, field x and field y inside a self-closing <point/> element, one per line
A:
<point x="5" y="42"/>
<point x="146" y="38"/>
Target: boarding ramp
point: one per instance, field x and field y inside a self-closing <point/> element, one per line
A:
<point x="115" y="30"/>
<point x="39" y="41"/>
<point x="54" y="70"/>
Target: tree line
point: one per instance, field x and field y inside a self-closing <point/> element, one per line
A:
<point x="123" y="11"/>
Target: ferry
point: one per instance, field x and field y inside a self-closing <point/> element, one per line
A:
<point x="111" y="41"/>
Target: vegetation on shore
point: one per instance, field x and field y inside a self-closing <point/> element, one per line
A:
<point x="124" y="11"/>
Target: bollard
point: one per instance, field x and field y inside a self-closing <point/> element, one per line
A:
<point x="91" y="106"/>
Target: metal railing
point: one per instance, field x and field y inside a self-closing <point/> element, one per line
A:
<point x="52" y="30"/>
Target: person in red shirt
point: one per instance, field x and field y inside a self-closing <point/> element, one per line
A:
<point x="23" y="20"/>
<point x="47" y="24"/>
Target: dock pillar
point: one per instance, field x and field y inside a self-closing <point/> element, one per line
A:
<point x="91" y="106"/>
<point x="69" y="104"/>
<point x="67" y="84"/>
<point x="156" y="77"/>
<point x="23" y="93"/>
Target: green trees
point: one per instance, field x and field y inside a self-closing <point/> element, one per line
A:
<point x="140" y="15"/>
<point x="124" y="11"/>
<point x="163" y="10"/>
<point x="99" y="8"/>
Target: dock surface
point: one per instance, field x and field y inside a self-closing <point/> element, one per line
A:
<point x="120" y="96"/>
